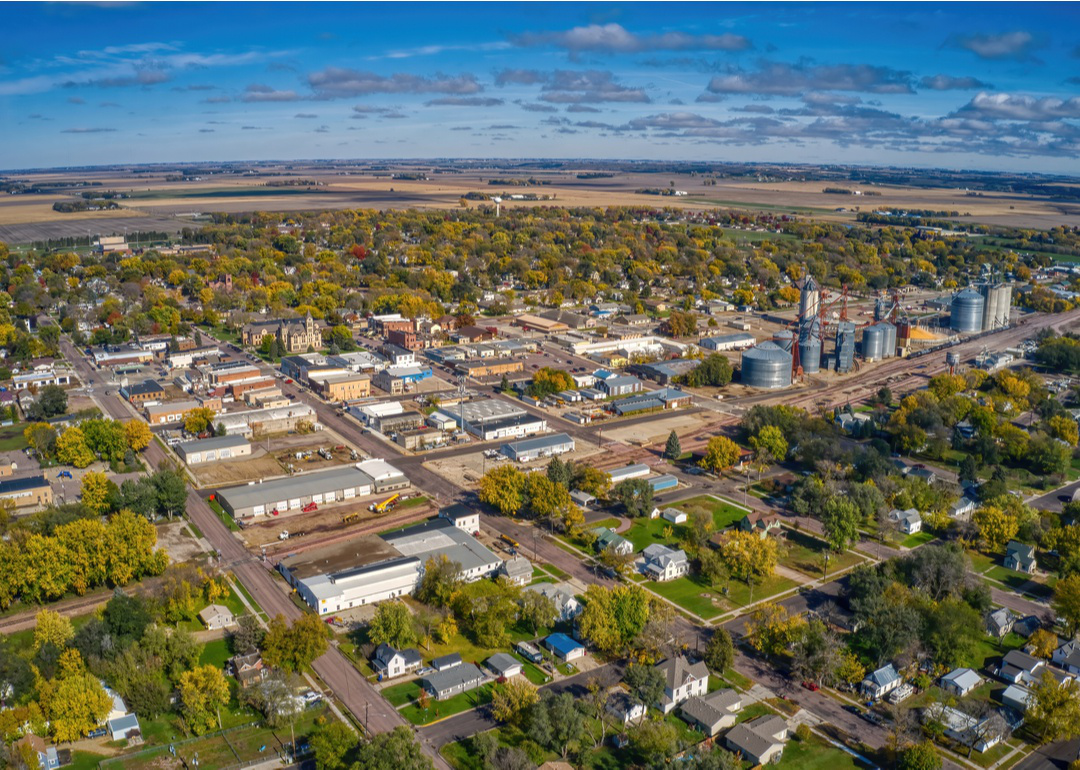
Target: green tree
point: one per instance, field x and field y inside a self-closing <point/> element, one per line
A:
<point x="547" y="381"/>
<point x="294" y="647"/>
<point x="51" y="401"/>
<point x="720" y="454"/>
<point x="395" y="750"/>
<point x="770" y="440"/>
<point x="537" y="611"/>
<point x="673" y="449"/>
<point x="646" y="684"/>
<point x="714" y="370"/>
<point x="655" y="740"/>
<point x="1066" y="603"/>
<point x="719" y="652"/>
<point x="512" y="700"/>
<point x="679" y="324"/>
<point x="920" y="756"/>
<point x="393" y="625"/>
<point x="1053" y="712"/>
<point x="636" y="495"/>
<point x="559" y="472"/>
<point x="840" y="522"/>
<point x="331" y="742"/>
<point x="441" y="579"/>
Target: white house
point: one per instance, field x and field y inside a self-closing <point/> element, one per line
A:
<point x="216" y="616"/>
<point x="760" y="740"/>
<point x="1016" y="698"/>
<point x="1068" y="656"/>
<point x="674" y="515"/>
<point x="967" y="730"/>
<point x="909" y="522"/>
<point x="391" y="663"/>
<point x="562" y="596"/>
<point x="663" y="563"/>
<point x="960" y="681"/>
<point x="625" y="709"/>
<point x="880" y="683"/>
<point x="682" y="680"/>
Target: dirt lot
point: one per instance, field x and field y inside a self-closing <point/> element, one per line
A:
<point x="325" y="525"/>
<point x="465" y="470"/>
<point x="656" y="431"/>
<point x="177" y="542"/>
<point x="265" y="464"/>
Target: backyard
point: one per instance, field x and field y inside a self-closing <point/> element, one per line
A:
<point x="805" y="553"/>
<point x="644" y="532"/>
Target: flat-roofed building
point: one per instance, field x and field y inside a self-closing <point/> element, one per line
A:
<point x="263" y="421"/>
<point x="295" y="492"/>
<point x="27" y="491"/>
<point x="142" y="392"/>
<point x="733" y="341"/>
<point x="40" y="377"/>
<point x="210" y="450"/>
<point x="490" y="368"/>
<point x="173" y="411"/>
<point x="340" y="385"/>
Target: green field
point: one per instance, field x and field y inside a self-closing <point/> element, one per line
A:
<point x="444" y="708"/>
<point x="919" y="538"/>
<point x="693" y="595"/>
<point x="215" y="653"/>
<point x="645" y="532"/>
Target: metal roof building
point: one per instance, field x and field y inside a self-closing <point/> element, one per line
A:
<point x="210" y="449"/>
<point x="293" y="493"/>
<point x="635" y="471"/>
<point x="542" y="446"/>
<point x="439" y="537"/>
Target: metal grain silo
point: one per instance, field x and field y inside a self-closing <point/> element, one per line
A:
<point x="873" y="342"/>
<point x="881" y="308"/>
<point x="810" y="355"/>
<point x="809" y="299"/>
<point x="766" y="366"/>
<point x="845" y="346"/>
<point x="785" y="338"/>
<point x="888" y="347"/>
<point x="966" y="313"/>
<point x="1002" y="305"/>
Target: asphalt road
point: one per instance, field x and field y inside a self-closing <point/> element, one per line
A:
<point x="1055" y="501"/>
<point x="362" y="700"/>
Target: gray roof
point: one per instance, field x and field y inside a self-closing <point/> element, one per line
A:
<point x="295" y="486"/>
<point x="217" y="442"/>
<point x="736" y="337"/>
<point x="446" y="661"/>
<point x="883" y="676"/>
<point x="518" y="566"/>
<point x="559" y="593"/>
<point x="501" y="662"/>
<point x="767" y="351"/>
<point x="963" y="678"/>
<point x="485" y="410"/>
<point x="678" y="671"/>
<point x="660" y="554"/>
<point x="756" y="736"/>
<point x="437" y="537"/>
<point x="466" y="673"/>
<point x="541" y="442"/>
<point x="620" y="381"/>
<point x="710" y="709"/>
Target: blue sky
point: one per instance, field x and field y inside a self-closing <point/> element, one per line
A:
<point x="973" y="85"/>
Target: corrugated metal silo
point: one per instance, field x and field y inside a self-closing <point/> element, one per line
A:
<point x="766" y="366"/>
<point x="873" y="342"/>
<point x="966" y="313"/>
<point x="785" y="338"/>
<point x="810" y="355"/>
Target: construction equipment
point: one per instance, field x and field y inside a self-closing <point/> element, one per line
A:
<point x="310" y="507"/>
<point x="283" y="535"/>
<point x="326" y="454"/>
<point x="510" y="541"/>
<point x="386" y="505"/>
<point x="349" y="518"/>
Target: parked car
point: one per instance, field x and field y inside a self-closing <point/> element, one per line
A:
<point x="853" y="710"/>
<point x="811" y="686"/>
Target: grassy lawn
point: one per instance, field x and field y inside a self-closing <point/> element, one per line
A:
<point x="226" y="519"/>
<point x="815" y="754"/>
<point x="11" y="437"/>
<point x="804" y="554"/>
<point x="84" y="760"/>
<point x="686" y="734"/>
<point x="753" y="711"/>
<point x="412" y="501"/>
<point x="914" y="541"/>
<point x="980" y="562"/>
<point x="990" y="648"/>
<point x="693" y="595"/>
<point x="216" y="653"/>
<point x="401" y="694"/>
<point x="739" y="592"/>
<point x="248" y="596"/>
<point x="731" y="678"/>
<point x="448" y="707"/>
<point x="645" y="532"/>
<point x="1019" y="581"/>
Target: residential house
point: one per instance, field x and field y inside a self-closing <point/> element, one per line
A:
<point x="682" y="680"/>
<point x="517" y="569"/>
<point x="447" y="683"/>
<point x="625" y="709"/>
<point x="1019" y="668"/>
<point x="1068" y="656"/>
<point x="48" y="759"/>
<point x="247" y="668"/>
<point x="674" y="515"/>
<point x="446" y="662"/>
<point x="1027" y="625"/>
<point x="390" y="663"/>
<point x="881" y="682"/>
<point x="215" y="616"/>
<point x="762" y="523"/>
<point x="909" y="522"/>
<point x="1000" y="622"/>
<point x="607" y="538"/>
<point x="960" y="681"/>
<point x="564" y="647"/>
<point x="1020" y="557"/>
<point x="852" y="423"/>
<point x="963" y="508"/>
<point x="760" y="741"/>
<point x="529" y="651"/>
<point x="977" y="732"/>
<point x="1016" y="697"/>
<point x="562" y="596"/>
<point x="504" y="666"/>
<point x="663" y="564"/>
<point x="713" y="712"/>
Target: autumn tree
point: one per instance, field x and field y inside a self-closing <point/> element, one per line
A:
<point x="720" y="454"/>
<point x="1053" y="711"/>
<point x="137" y="434"/>
<point x="294" y="647"/>
<point x="503" y="488"/>
<point x="771" y="630"/>
<point x="1043" y="643"/>
<point x="996" y="527"/>
<point x="613" y="618"/>
<point x="202" y="692"/>
<point x="919" y="756"/>
<point x="198" y="420"/>
<point x="97" y="494"/>
<point x="770" y="442"/>
<point x="1066" y="603"/>
<point x="547" y="381"/>
<point x="749" y="557"/>
<point x="71" y="448"/>
<point x="392" y="624"/>
<point x="52" y="628"/>
<point x="75" y="702"/>
<point x="512" y="700"/>
<point x="441" y="579"/>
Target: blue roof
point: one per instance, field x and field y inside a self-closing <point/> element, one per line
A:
<point x="124" y="723"/>
<point x="562" y="644"/>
